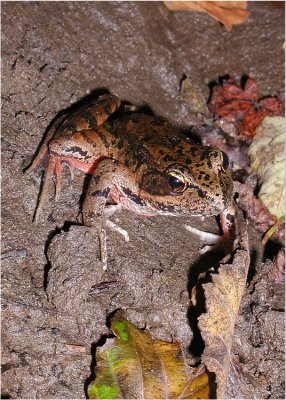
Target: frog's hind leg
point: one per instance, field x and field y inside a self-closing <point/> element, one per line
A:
<point x="45" y="188"/>
<point x="53" y="167"/>
<point x="43" y="153"/>
<point x="50" y="164"/>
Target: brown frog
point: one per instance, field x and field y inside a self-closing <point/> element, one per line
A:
<point x="139" y="162"/>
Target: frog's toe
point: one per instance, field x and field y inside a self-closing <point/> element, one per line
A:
<point x="71" y="170"/>
<point x="118" y="229"/>
<point x="111" y="209"/>
<point x="208" y="237"/>
<point x="211" y="241"/>
<point x="58" y="182"/>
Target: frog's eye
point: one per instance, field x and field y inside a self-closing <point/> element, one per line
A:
<point x="176" y="182"/>
<point x="225" y="160"/>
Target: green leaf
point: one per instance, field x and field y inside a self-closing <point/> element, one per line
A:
<point x="136" y="365"/>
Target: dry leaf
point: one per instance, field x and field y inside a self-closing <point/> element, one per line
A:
<point x="241" y="106"/>
<point x="277" y="272"/>
<point x="136" y="365"/>
<point x="257" y="212"/>
<point x="223" y="297"/>
<point x="229" y="13"/>
<point x="267" y="155"/>
<point x="198" y="386"/>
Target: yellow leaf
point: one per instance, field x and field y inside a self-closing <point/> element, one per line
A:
<point x="223" y="297"/>
<point x="136" y="365"/>
<point x="267" y="155"/>
<point x="198" y="386"/>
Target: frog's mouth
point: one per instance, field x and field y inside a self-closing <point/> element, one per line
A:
<point x="194" y="203"/>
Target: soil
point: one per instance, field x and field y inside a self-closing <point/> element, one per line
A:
<point x="54" y="54"/>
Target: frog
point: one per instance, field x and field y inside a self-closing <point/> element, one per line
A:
<point x="140" y="162"/>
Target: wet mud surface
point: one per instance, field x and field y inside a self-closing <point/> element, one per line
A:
<point x="55" y="306"/>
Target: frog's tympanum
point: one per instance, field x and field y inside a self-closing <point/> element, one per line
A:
<point x="139" y="162"/>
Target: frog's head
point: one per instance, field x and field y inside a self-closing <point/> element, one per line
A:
<point x="199" y="184"/>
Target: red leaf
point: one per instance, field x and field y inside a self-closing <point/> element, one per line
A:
<point x="242" y="106"/>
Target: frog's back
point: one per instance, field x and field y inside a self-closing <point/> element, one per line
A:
<point x="146" y="140"/>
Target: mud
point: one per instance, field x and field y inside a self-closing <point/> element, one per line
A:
<point x="54" y="54"/>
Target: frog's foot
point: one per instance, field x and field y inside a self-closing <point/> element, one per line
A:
<point x="102" y="239"/>
<point x="114" y="227"/>
<point x="212" y="241"/>
<point x="71" y="169"/>
<point x="101" y="222"/>
<point x="108" y="212"/>
<point x="103" y="247"/>
<point x="224" y="242"/>
<point x="53" y="167"/>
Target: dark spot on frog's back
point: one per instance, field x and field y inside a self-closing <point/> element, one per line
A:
<point x="179" y="151"/>
<point x="193" y="151"/>
<point x="167" y="157"/>
<point x="107" y="108"/>
<point x="71" y="128"/>
<point x="87" y="115"/>
<point x="136" y="118"/>
<point x="120" y="144"/>
<point x="148" y="137"/>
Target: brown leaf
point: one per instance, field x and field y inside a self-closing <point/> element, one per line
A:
<point x="223" y="297"/>
<point x="241" y="106"/>
<point x="277" y="272"/>
<point x="258" y="214"/>
<point x="229" y="13"/>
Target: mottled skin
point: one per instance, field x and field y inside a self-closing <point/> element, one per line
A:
<point x="138" y="161"/>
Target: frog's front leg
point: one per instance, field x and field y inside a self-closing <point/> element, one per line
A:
<point x="109" y="180"/>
